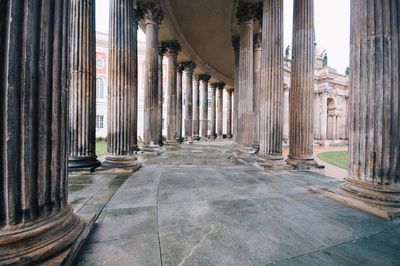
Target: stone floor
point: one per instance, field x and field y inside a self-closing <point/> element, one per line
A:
<point x="196" y="206"/>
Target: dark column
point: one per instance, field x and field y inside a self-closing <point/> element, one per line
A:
<point x="188" y="68"/>
<point x="271" y="96"/>
<point x="173" y="48"/>
<point x="122" y="86"/>
<point x="220" y="109"/>
<point x="301" y="130"/>
<point x="203" y="79"/>
<point x="236" y="48"/>
<point x="82" y="92"/>
<point x="36" y="222"/>
<point x="153" y="15"/>
<point x="246" y="15"/>
<point x="179" y="92"/>
<point x="196" y="108"/>
<point x="374" y="143"/>
<point x="213" y="114"/>
<point x="228" y="98"/>
<point x="161" y="51"/>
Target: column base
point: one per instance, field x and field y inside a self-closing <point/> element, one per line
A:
<point x="220" y="137"/>
<point x="212" y="137"/>
<point x="188" y="140"/>
<point x="229" y="136"/>
<point x="129" y="163"/>
<point x="272" y="163"/>
<point x="154" y="149"/>
<point x="83" y="164"/>
<point x="196" y="137"/>
<point x="303" y="163"/>
<point x="54" y="240"/>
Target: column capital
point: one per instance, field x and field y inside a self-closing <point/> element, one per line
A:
<point x="188" y="66"/>
<point x="257" y="40"/>
<point x="246" y="12"/>
<point x="173" y="46"/>
<point x="151" y="13"/>
<point x="229" y="89"/>
<point x="218" y="85"/>
<point x="204" y="77"/>
<point x="236" y="42"/>
<point x="179" y="68"/>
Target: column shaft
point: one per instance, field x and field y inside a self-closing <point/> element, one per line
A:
<point x="196" y="108"/>
<point x="257" y="85"/>
<point x="36" y="222"/>
<point x="212" y="91"/>
<point x="204" y="105"/>
<point x="374" y="128"/>
<point x="301" y="131"/>
<point x="229" y="113"/>
<point x="286" y="113"/>
<point x="179" y="92"/>
<point x="271" y="111"/>
<point x="161" y="52"/>
<point x="220" y="110"/>
<point x="236" y="46"/>
<point x="82" y="95"/>
<point x="188" y="68"/>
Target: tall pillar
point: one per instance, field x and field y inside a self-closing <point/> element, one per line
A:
<point x="122" y="86"/>
<point x="374" y="110"/>
<point x="196" y="108"/>
<point x="82" y="94"/>
<point x="246" y="15"/>
<point x="179" y="92"/>
<point x="301" y="131"/>
<point x="173" y="48"/>
<point x="36" y="222"/>
<point x="213" y="113"/>
<point x="257" y="85"/>
<point x="285" y="113"/>
<point x="324" y="114"/>
<point x="161" y="52"/>
<point x="229" y="92"/>
<point x="153" y="15"/>
<point x="236" y="49"/>
<point x="203" y="79"/>
<point x="271" y="111"/>
<point x="220" y="108"/>
<point x="188" y="68"/>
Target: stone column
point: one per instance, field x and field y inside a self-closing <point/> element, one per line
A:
<point x="374" y="110"/>
<point x="257" y="85"/>
<point x="122" y="86"/>
<point x="153" y="15"/>
<point x="317" y="116"/>
<point x="228" y="112"/>
<point x="246" y="15"/>
<point x="285" y="113"/>
<point x="203" y="79"/>
<point x="236" y="49"/>
<point x="196" y="108"/>
<point x="161" y="51"/>
<point x="301" y="131"/>
<point x="220" y="109"/>
<point x="82" y="97"/>
<point x="324" y="114"/>
<point x="173" y="48"/>
<point x="179" y="92"/>
<point x="213" y="114"/>
<point x="271" y="111"/>
<point x="188" y="68"/>
<point x="36" y="222"/>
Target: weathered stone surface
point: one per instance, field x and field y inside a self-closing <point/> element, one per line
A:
<point x="188" y="68"/>
<point x="196" y="108"/>
<point x="236" y="47"/>
<point x="257" y="39"/>
<point x="36" y="222"/>
<point x="220" y="109"/>
<point x="179" y="92"/>
<point x="212" y="90"/>
<point x="82" y="91"/>
<point x="161" y="52"/>
<point x="203" y="79"/>
<point x="301" y="130"/>
<point x="228" y="103"/>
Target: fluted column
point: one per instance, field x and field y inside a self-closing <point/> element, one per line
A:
<point x="203" y="79"/>
<point x="271" y="104"/>
<point x="301" y="131"/>
<point x="257" y="85"/>
<point x="246" y="15"/>
<point x="213" y="114"/>
<point x="235" y="117"/>
<point x="161" y="52"/>
<point x="285" y="113"/>
<point x="220" y="109"/>
<point x="153" y="15"/>
<point x="228" y="94"/>
<point x="36" y="222"/>
<point x="173" y="48"/>
<point x="196" y="108"/>
<point x="374" y="143"/>
<point x="122" y="85"/>
<point x="179" y="92"/>
<point x="82" y="97"/>
<point x="188" y="68"/>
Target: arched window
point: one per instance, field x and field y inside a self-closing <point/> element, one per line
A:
<point x="99" y="88"/>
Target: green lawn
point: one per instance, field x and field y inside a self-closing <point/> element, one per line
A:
<point x="336" y="158"/>
<point x="101" y="148"/>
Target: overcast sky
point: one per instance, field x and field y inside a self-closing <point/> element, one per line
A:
<point x="332" y="27"/>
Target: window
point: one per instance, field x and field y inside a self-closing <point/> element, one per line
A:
<point x="99" y="63"/>
<point x="99" y="88"/>
<point x="99" y="121"/>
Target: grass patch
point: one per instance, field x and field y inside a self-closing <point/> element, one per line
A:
<point x="336" y="158"/>
<point x="101" y="148"/>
